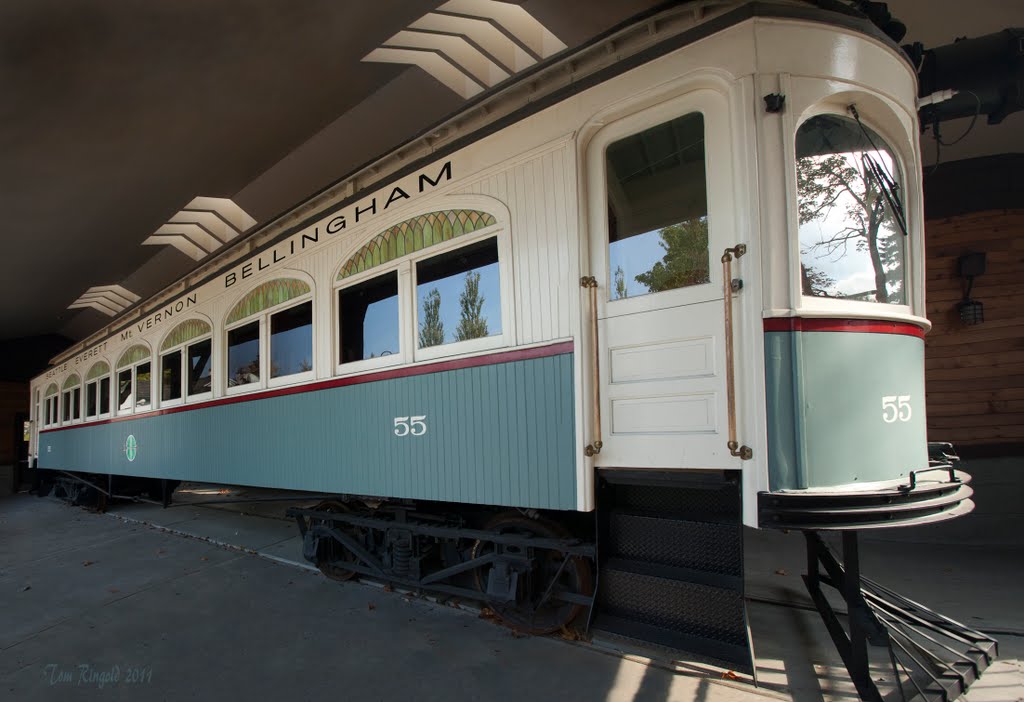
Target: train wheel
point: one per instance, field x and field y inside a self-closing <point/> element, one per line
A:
<point x="527" y="614"/>
<point x="329" y="551"/>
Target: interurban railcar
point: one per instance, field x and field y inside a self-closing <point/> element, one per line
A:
<point x="672" y="278"/>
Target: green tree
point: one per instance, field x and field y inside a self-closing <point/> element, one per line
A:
<point x="472" y="324"/>
<point x="431" y="326"/>
<point x="685" y="261"/>
<point x="621" y="293"/>
<point x="815" y="282"/>
<point x="830" y="180"/>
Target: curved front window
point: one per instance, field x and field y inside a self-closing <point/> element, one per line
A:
<point x="852" y="227"/>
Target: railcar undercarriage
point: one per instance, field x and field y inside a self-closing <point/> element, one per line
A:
<point x="534" y="574"/>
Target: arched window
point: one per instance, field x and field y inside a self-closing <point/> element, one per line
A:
<point x="72" y="399"/>
<point x="97" y="390"/>
<point x="134" y="380"/>
<point x="428" y="286"/>
<point x="50" y="403"/>
<point x="186" y="360"/>
<point x="852" y="224"/>
<point x="270" y="335"/>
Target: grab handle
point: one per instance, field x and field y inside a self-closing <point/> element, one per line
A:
<point x="742" y="452"/>
<point x="594" y="448"/>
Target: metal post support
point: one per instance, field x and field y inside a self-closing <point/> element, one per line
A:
<point x="863" y="625"/>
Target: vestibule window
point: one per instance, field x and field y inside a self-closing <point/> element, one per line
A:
<point x="185" y="362"/>
<point x="134" y="380"/>
<point x="270" y="335"/>
<point x="850" y="210"/>
<point x="97" y="390"/>
<point x="658" y="209"/>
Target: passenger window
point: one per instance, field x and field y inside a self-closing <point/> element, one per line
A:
<point x="657" y="209"/>
<point x="200" y="358"/>
<point x="170" y="377"/>
<point x="850" y="211"/>
<point x="124" y="390"/>
<point x="76" y="403"/>
<point x="66" y="415"/>
<point x="143" y="387"/>
<point x="244" y="354"/>
<point x="90" y="399"/>
<point x="291" y="340"/>
<point x="458" y="295"/>
<point x="105" y="395"/>
<point x="368" y="319"/>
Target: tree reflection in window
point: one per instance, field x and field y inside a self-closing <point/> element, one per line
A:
<point x="657" y="209"/>
<point x="458" y="294"/>
<point x="851" y="245"/>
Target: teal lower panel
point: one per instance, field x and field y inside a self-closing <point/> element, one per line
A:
<point x="826" y="395"/>
<point x="500" y="434"/>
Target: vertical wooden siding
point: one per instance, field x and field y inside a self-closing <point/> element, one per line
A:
<point x="975" y="374"/>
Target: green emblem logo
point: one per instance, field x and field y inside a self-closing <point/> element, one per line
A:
<point x="131" y="447"/>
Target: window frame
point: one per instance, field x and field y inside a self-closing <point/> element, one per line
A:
<point x="714" y="108"/>
<point x="50" y="400"/>
<point x="486" y="343"/>
<point x="263" y="317"/>
<point x="115" y="406"/>
<point x="97" y="382"/>
<point x="408" y="300"/>
<point x="181" y="377"/>
<point x="401" y="270"/>
<point x="70" y="407"/>
<point x="183" y="347"/>
<point x="810" y="305"/>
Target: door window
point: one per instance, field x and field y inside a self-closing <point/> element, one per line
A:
<point x="658" y="209"/>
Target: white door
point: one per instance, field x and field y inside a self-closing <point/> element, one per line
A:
<point x="661" y="217"/>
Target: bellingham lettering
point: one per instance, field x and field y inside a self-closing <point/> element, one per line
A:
<point x="358" y="213"/>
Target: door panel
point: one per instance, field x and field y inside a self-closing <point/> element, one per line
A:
<point x="663" y="388"/>
<point x="662" y="219"/>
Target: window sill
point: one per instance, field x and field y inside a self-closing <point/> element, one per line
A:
<point x="460" y="348"/>
<point x="370" y="364"/>
<point x="293" y="379"/>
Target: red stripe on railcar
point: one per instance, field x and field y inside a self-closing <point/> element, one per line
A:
<point x="407" y="371"/>
<point x="821" y="324"/>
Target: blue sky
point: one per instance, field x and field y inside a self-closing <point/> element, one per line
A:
<point x="636" y="254"/>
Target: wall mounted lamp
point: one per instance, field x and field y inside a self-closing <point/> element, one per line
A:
<point x="970" y="266"/>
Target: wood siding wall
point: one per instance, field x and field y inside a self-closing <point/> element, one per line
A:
<point x="975" y="374"/>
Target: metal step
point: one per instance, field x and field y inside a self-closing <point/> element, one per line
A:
<point x="683" y="615"/>
<point x="699" y="546"/>
<point x="670" y="573"/>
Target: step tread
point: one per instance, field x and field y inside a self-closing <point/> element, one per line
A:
<point x="671" y="573"/>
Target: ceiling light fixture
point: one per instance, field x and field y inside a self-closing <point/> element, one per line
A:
<point x="470" y="45"/>
<point x="204" y="225"/>
<point x="108" y="299"/>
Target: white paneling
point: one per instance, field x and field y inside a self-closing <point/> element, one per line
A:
<point x="672" y="414"/>
<point x="680" y="358"/>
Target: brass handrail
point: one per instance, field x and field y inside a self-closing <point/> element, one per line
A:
<point x="594" y="448"/>
<point x="743" y="452"/>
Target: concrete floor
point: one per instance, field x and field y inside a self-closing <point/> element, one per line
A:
<point x="209" y="602"/>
